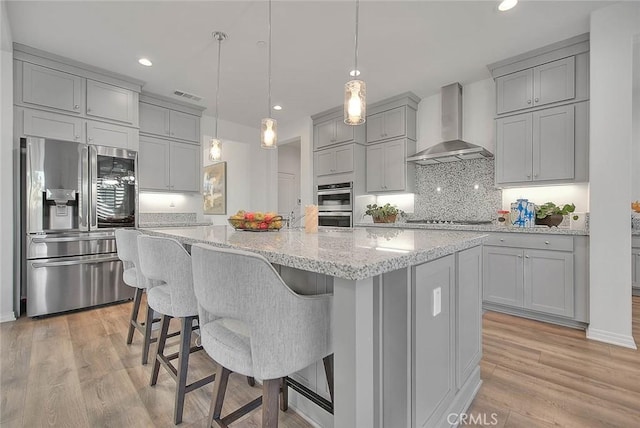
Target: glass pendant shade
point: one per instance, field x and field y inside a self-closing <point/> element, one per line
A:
<point x="355" y="102"/>
<point x="269" y="133"/>
<point x="215" y="150"/>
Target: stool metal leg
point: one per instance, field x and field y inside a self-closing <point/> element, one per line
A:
<point x="183" y="364"/>
<point x="251" y="381"/>
<point x="137" y="298"/>
<point x="270" y="393"/>
<point x="147" y="336"/>
<point x="219" y="389"/>
<point x="162" y="339"/>
<point x="284" y="395"/>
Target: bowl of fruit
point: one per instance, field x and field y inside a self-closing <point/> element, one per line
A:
<point x="255" y="221"/>
<point x="635" y="206"/>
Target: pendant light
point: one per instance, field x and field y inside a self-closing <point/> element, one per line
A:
<point x="355" y="93"/>
<point x="269" y="126"/>
<point x="215" y="148"/>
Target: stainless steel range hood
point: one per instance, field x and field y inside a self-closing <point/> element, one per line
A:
<point x="453" y="148"/>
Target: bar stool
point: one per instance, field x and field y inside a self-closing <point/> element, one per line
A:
<point x="252" y="323"/>
<point x="165" y="260"/>
<point x="127" y="247"/>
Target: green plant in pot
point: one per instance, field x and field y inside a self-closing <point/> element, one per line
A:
<point x="386" y="213"/>
<point x="551" y="214"/>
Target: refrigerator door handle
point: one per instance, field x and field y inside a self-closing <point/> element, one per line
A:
<point x="93" y="193"/>
<point x="92" y="260"/>
<point x="84" y="192"/>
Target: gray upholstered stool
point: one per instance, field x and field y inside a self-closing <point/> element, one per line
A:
<point x="127" y="247"/>
<point x="252" y="323"/>
<point x="166" y="261"/>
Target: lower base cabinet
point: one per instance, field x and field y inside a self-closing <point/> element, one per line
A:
<point x="635" y="264"/>
<point x="542" y="274"/>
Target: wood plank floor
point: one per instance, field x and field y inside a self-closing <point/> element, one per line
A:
<point x="75" y="370"/>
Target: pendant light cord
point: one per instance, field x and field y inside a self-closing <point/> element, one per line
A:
<point x="218" y="83"/>
<point x="269" y="71"/>
<point x="355" y="69"/>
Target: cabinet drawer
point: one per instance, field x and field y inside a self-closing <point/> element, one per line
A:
<point x="534" y="241"/>
<point x="635" y="242"/>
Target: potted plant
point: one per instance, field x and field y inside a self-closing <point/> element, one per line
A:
<point x="384" y="214"/>
<point x="550" y="214"/>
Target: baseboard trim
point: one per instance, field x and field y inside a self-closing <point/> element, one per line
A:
<point x="6" y="317"/>
<point x="623" y="340"/>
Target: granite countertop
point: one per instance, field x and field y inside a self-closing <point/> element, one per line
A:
<point x="151" y="224"/>
<point x="353" y="254"/>
<point x="479" y="228"/>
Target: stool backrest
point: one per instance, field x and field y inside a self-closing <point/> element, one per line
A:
<point x="127" y="248"/>
<point x="165" y="260"/>
<point x="288" y="331"/>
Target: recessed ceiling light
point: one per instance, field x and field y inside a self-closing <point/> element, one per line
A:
<point x="145" y="62"/>
<point x="506" y="5"/>
<point x="277" y="107"/>
<point x="354" y="73"/>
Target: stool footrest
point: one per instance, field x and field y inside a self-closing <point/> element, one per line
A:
<point x="311" y="395"/>
<point x="199" y="383"/>
<point x="237" y="414"/>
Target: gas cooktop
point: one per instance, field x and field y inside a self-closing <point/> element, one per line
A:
<point x="460" y="222"/>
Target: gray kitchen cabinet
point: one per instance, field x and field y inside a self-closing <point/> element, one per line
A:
<point x="51" y="88"/>
<point x="168" y="165"/>
<point x="108" y="134"/>
<point x="37" y="123"/>
<point x="334" y="160"/>
<point x="544" y="84"/>
<point x="333" y="131"/>
<point x="111" y="102"/>
<point x="635" y="264"/>
<point x="536" y="275"/>
<point x="468" y="313"/>
<point x="387" y="169"/>
<point x="536" y="147"/>
<point x="386" y="125"/>
<point x="169" y="123"/>
<point x="432" y="287"/>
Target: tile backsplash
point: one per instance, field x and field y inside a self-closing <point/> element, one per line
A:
<point x="461" y="190"/>
<point x="168" y="218"/>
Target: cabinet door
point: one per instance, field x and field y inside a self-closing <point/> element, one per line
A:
<point x="554" y="81"/>
<point x="514" y="141"/>
<point x="548" y="283"/>
<point x="153" y="164"/>
<point x="154" y="119"/>
<point x="51" y="88"/>
<point x="325" y="162"/>
<point x="375" y="127"/>
<point x="432" y="340"/>
<point x="395" y="165"/>
<point x="107" y="134"/>
<point x="110" y="102"/>
<point x="468" y="313"/>
<point x="344" y="133"/>
<point x="514" y="91"/>
<point x="554" y="143"/>
<point x="185" y="167"/>
<point x="635" y="266"/>
<point x="394" y="123"/>
<point x="503" y="276"/>
<point x="375" y="168"/>
<point x="184" y="126"/>
<point x="344" y="159"/>
<point x="324" y="134"/>
<point x="44" y="124"/>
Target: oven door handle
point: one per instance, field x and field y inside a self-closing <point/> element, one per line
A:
<point x="71" y="239"/>
<point x="334" y="192"/>
<point x="76" y="262"/>
<point x="334" y="214"/>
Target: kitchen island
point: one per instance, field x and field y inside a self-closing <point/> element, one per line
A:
<point x="407" y="316"/>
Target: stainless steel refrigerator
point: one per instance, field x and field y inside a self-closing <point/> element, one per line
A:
<point x="74" y="197"/>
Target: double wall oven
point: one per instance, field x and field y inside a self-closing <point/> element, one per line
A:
<point x="335" y="205"/>
<point x="73" y="197"/>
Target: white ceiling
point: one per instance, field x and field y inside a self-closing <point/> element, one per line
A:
<point x="414" y="46"/>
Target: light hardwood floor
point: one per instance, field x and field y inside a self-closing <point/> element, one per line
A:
<point x="75" y="370"/>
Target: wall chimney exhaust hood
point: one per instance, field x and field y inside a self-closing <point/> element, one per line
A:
<point x="453" y="148"/>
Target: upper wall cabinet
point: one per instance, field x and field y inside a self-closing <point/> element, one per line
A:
<point x="111" y="102"/>
<point x="47" y="87"/>
<point x="329" y="129"/>
<point x="167" y="119"/>
<point x="392" y="118"/>
<point x="544" y="84"/>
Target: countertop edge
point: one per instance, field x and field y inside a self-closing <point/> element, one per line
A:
<point x="481" y="228"/>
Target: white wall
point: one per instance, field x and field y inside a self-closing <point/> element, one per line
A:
<point x="613" y="29"/>
<point x="289" y="163"/>
<point x="635" y="169"/>
<point x="301" y="130"/>
<point x="6" y="168"/>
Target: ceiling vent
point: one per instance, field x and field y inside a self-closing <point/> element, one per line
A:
<point x="187" y="95"/>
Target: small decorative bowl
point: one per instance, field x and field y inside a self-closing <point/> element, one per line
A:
<point x="273" y="224"/>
